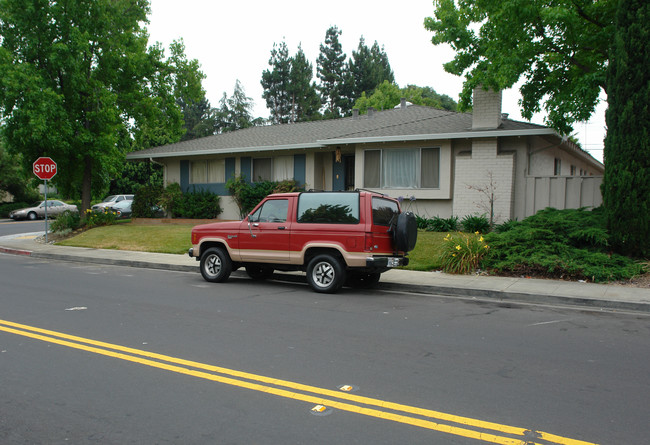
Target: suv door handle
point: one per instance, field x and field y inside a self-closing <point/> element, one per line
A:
<point x="281" y="228"/>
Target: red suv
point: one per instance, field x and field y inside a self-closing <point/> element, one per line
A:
<point x="336" y="237"/>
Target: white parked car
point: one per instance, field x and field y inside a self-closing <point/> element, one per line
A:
<point x="110" y="201"/>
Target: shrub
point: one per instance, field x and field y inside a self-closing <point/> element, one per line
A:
<point x="475" y="223"/>
<point x="506" y="225"/>
<point x="198" y="204"/>
<point x="462" y="252"/>
<point x="422" y="222"/>
<point x="92" y="219"/>
<point x="170" y="198"/>
<point x="66" y="221"/>
<point x="146" y="200"/>
<point x="6" y="208"/>
<point x="247" y="195"/>
<point x="559" y="244"/>
<point x="437" y="224"/>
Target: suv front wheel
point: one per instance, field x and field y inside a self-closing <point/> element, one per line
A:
<point x="215" y="265"/>
<point x="325" y="273"/>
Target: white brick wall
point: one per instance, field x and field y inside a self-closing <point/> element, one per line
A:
<point x="473" y="171"/>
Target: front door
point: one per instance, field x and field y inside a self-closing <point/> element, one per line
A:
<point x="348" y="167"/>
<point x="266" y="236"/>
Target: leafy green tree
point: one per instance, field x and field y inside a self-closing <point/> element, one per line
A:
<point x="276" y="84"/>
<point x="13" y="178"/>
<point x="304" y="97"/>
<point x="159" y="119"/>
<point x="189" y="94"/>
<point x="331" y="69"/>
<point x="76" y="78"/>
<point x="234" y="112"/>
<point x="427" y="96"/>
<point x="559" y="47"/>
<point x="388" y="95"/>
<point x="136" y="175"/>
<point x="368" y="67"/>
<point x="384" y="97"/>
<point x="626" y="185"/>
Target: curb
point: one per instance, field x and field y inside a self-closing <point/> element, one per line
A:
<point x="447" y="291"/>
<point x="15" y="251"/>
<point x="520" y="297"/>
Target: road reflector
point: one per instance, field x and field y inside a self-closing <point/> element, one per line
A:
<point x="348" y="388"/>
<point x="321" y="410"/>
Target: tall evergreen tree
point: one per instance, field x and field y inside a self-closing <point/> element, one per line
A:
<point x="302" y="89"/>
<point x="331" y="69"/>
<point x="234" y="112"/>
<point x="199" y="118"/>
<point x="369" y="67"/>
<point x="276" y="84"/>
<point x="626" y="185"/>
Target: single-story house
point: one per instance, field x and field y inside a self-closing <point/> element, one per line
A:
<point x="442" y="163"/>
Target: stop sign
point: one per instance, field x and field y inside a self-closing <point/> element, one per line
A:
<point x="44" y="168"/>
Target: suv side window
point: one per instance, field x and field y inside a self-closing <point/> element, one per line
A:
<point x="274" y="210"/>
<point x="384" y="211"/>
<point x="328" y="208"/>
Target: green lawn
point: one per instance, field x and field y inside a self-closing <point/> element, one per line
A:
<point x="175" y="238"/>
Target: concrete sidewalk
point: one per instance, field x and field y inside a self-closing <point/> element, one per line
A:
<point x="553" y="292"/>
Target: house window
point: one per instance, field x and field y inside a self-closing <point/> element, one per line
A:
<point x="262" y="169"/>
<point x="283" y="168"/>
<point x="557" y="168"/>
<point x="217" y="171"/>
<point x="198" y="172"/>
<point x="203" y="172"/>
<point x="402" y="168"/>
<point x="574" y="170"/>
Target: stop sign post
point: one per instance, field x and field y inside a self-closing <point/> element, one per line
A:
<point x="45" y="169"/>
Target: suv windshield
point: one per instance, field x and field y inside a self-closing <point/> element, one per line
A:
<point x="328" y="208"/>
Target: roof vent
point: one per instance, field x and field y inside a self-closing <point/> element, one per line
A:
<point x="355" y="113"/>
<point x="371" y="112"/>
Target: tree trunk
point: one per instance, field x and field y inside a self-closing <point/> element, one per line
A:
<point x="86" y="184"/>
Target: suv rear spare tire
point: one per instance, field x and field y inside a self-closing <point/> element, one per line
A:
<point x="406" y="232"/>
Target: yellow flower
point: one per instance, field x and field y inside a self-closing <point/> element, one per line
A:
<point x="486" y="247"/>
<point x="458" y="247"/>
<point x="476" y="233"/>
<point x="481" y="239"/>
<point x="453" y="254"/>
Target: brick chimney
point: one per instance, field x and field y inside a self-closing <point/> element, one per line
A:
<point x="487" y="109"/>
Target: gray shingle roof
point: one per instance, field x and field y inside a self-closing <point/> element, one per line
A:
<point x="411" y="123"/>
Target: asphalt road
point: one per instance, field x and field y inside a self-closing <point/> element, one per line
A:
<point x="97" y="354"/>
<point x="11" y="227"/>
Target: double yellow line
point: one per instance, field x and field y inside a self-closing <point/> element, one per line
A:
<point x="419" y="417"/>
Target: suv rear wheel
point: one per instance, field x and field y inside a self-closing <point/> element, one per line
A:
<point x="215" y="265"/>
<point x="325" y="273"/>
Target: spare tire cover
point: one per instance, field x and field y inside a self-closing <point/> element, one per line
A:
<point x="406" y="232"/>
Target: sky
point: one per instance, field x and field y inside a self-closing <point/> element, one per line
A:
<point x="233" y="41"/>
